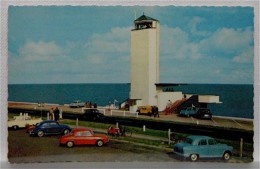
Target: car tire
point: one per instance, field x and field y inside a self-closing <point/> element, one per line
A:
<point x="15" y="127"/>
<point x="40" y="133"/>
<point x="66" y="131"/>
<point x="100" y="143"/>
<point x="70" y="144"/>
<point x="194" y="157"/>
<point x="227" y="156"/>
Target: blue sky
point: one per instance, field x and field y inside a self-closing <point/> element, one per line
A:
<point x="91" y="44"/>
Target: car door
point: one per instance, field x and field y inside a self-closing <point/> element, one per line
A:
<point x="79" y="138"/>
<point x="214" y="149"/>
<point x="54" y="128"/>
<point x="203" y="148"/>
<point x="88" y="138"/>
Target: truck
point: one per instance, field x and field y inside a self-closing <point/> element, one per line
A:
<point x="145" y="110"/>
<point x="22" y="121"/>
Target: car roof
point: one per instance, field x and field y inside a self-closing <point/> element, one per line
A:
<point x="81" y="129"/>
<point x="194" y="137"/>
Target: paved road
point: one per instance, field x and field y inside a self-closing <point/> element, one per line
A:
<point x="246" y="124"/>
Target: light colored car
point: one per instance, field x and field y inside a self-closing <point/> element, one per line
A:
<point x="77" y="103"/>
<point x="195" y="147"/>
<point x="83" y="136"/>
<point x="22" y="121"/>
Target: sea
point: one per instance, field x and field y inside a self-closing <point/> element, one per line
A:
<point x="237" y="100"/>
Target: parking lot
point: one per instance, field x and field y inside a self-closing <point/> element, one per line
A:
<point x="26" y="149"/>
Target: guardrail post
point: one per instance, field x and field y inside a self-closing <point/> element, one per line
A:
<point x="143" y="128"/>
<point x="77" y="123"/>
<point x="124" y="113"/>
<point x="241" y="147"/>
<point x="111" y="112"/>
<point x="116" y="124"/>
<point x="169" y="136"/>
<point x="48" y="116"/>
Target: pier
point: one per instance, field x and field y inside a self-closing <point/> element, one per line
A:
<point x="218" y="126"/>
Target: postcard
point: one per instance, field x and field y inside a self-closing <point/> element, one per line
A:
<point x="123" y="83"/>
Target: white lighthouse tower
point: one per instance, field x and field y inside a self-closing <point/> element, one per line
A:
<point x="145" y="70"/>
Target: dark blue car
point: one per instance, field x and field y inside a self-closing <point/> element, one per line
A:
<point x="50" y="127"/>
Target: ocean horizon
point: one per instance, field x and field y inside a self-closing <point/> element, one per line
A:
<point x="237" y="99"/>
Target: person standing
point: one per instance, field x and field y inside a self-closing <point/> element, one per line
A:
<point x="157" y="111"/>
<point x="56" y="114"/>
<point x="51" y="114"/>
<point x="95" y="105"/>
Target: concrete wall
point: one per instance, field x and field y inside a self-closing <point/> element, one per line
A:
<point x="163" y="98"/>
<point x="145" y="64"/>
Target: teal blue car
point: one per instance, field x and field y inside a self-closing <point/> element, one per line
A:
<point x="195" y="147"/>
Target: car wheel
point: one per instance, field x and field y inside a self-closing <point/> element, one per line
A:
<point x="100" y="143"/>
<point x="194" y="157"/>
<point x="15" y="127"/>
<point x="227" y="156"/>
<point x="40" y="133"/>
<point x="66" y="131"/>
<point x="70" y="144"/>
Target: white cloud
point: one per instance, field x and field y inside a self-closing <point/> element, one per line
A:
<point x="40" y="51"/>
<point x="218" y="58"/>
<point x="227" y="41"/>
<point x="245" y="56"/>
<point x="89" y="61"/>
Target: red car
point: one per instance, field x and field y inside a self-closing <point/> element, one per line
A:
<point x="83" y="136"/>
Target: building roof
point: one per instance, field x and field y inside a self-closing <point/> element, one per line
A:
<point x="144" y="18"/>
<point x="169" y="84"/>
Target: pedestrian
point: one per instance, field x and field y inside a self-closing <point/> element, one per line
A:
<point x="56" y="114"/>
<point x="153" y="111"/>
<point x="169" y="104"/>
<point x="95" y="105"/>
<point x="157" y="111"/>
<point x="60" y="114"/>
<point x="51" y="114"/>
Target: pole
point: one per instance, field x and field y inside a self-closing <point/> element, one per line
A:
<point x="143" y="128"/>
<point x="169" y="136"/>
<point x="241" y="147"/>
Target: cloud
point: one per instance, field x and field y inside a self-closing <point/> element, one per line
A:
<point x="227" y="42"/>
<point x="217" y="58"/>
<point x="101" y="58"/>
<point x="246" y="56"/>
<point x="40" y="51"/>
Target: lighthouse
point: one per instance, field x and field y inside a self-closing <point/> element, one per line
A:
<point x="145" y="67"/>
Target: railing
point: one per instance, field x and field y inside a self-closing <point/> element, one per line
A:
<point x="112" y="112"/>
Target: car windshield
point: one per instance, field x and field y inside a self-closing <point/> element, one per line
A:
<point x="188" y="140"/>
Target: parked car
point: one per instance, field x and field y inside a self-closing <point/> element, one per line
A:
<point x="145" y="110"/>
<point x="202" y="113"/>
<point x="76" y="104"/>
<point x="22" y="121"/>
<point x="83" y="136"/>
<point x="92" y="114"/>
<point x="195" y="147"/>
<point x="49" y="127"/>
